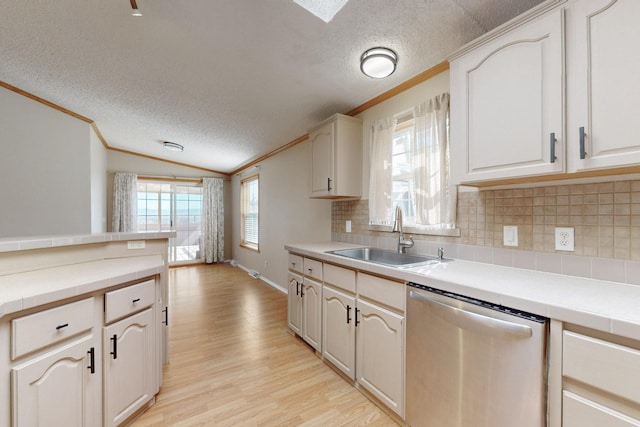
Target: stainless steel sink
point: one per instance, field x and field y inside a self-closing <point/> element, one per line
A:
<point x="381" y="256"/>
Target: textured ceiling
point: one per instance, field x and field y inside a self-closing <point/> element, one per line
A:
<point x="231" y="80"/>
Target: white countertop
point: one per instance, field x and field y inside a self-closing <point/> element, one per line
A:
<point x="12" y="244"/>
<point x="606" y="306"/>
<point x="30" y="289"/>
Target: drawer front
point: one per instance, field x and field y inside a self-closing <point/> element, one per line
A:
<point x="580" y="412"/>
<point x="340" y="277"/>
<point x="385" y="291"/>
<point x="122" y="302"/>
<point x="295" y="263"/>
<point x="38" y="330"/>
<point x="313" y="268"/>
<point x="610" y="367"/>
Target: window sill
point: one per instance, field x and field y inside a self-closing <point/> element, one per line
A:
<point x="451" y="232"/>
<point x="250" y="246"/>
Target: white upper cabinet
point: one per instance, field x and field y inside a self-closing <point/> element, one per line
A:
<point x="507" y="103"/>
<point x="603" y="88"/>
<point x="336" y="158"/>
<point x="508" y="95"/>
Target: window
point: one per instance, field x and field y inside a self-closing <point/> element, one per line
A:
<point x="249" y="212"/>
<point x="410" y="169"/>
<point x="164" y="206"/>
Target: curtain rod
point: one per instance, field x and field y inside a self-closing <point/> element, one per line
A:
<point x="174" y="178"/>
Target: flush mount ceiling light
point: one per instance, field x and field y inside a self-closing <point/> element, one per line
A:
<point x="323" y="9"/>
<point x="173" y="146"/>
<point x="378" y="62"/>
<point x="135" y="12"/>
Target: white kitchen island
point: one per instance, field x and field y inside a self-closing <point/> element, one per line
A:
<point x="81" y="327"/>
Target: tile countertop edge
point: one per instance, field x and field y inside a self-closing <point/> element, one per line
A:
<point x="104" y="274"/>
<point x="13" y="244"/>
<point x="606" y="306"/>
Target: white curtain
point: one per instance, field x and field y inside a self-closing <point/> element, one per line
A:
<point x="212" y="220"/>
<point x="380" y="184"/>
<point x="435" y="196"/>
<point x="125" y="202"/>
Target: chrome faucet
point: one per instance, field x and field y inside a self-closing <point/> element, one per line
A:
<point x="403" y="243"/>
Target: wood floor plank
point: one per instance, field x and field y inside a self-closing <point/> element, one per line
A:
<point x="234" y="363"/>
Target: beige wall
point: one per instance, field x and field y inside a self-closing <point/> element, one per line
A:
<point x="287" y="214"/>
<point x="48" y="167"/>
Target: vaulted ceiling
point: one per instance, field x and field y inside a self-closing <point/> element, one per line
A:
<point x="230" y="80"/>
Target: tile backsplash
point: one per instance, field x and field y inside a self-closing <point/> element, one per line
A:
<point x="605" y="218"/>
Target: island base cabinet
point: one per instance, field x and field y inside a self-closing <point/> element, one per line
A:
<point x="380" y="354"/>
<point x="60" y="388"/>
<point x="129" y="376"/>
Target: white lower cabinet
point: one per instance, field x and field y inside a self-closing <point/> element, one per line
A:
<point x="63" y="373"/>
<point x="59" y="388"/>
<point x="339" y="330"/>
<point x="129" y="370"/>
<point x="600" y="381"/>
<point x="294" y="302"/>
<point x="304" y="305"/>
<point x="380" y="354"/>
<point x="312" y="313"/>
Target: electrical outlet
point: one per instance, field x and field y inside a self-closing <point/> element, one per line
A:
<point x="135" y="244"/>
<point x="347" y="226"/>
<point x="510" y="235"/>
<point x="564" y="239"/>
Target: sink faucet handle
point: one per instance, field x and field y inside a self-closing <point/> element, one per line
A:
<point x="441" y="253"/>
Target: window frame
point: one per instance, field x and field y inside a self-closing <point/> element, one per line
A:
<point x="244" y="206"/>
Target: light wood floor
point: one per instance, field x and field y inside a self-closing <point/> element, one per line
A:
<point x="233" y="363"/>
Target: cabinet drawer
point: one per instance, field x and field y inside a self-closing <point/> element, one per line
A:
<point x="125" y="301"/>
<point x="610" y="367"/>
<point x="385" y="291"/>
<point x="313" y="268"/>
<point x="38" y="330"/>
<point x="580" y="412"/>
<point x="295" y="263"/>
<point x="340" y="277"/>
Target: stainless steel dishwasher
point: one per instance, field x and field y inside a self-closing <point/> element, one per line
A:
<point x="473" y="364"/>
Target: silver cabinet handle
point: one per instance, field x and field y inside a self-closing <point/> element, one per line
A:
<point x="474" y="321"/>
<point x="552" y="148"/>
<point x="583" y="152"/>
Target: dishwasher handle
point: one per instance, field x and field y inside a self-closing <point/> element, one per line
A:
<point x="473" y="321"/>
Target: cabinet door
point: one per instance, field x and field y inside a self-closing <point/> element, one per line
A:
<point x="58" y="389"/>
<point x="578" y="411"/>
<point x="129" y="348"/>
<point x="294" y="299"/>
<point x="322" y="146"/>
<point x="312" y="313"/>
<point x="380" y="354"/>
<point x="507" y="101"/>
<point x="603" y="86"/>
<point x="338" y="330"/>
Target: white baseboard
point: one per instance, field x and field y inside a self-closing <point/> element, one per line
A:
<point x="257" y="275"/>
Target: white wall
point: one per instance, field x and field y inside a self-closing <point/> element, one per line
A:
<point x="44" y="169"/>
<point x="287" y="214"/>
<point x="123" y="162"/>
<point x="98" y="184"/>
